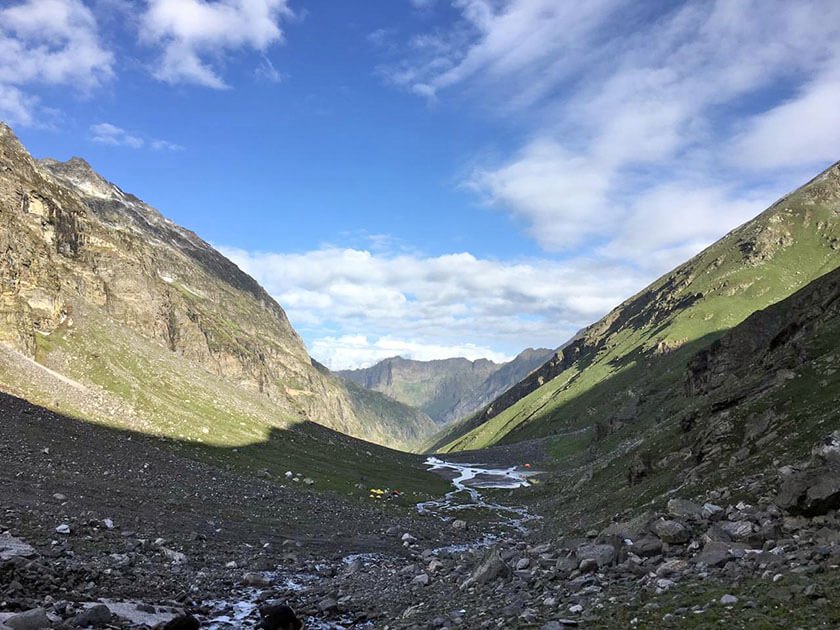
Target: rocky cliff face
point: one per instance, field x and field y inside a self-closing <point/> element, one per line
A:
<point x="76" y="248"/>
<point x="446" y="389"/>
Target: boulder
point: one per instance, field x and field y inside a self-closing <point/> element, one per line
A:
<point x="672" y="532"/>
<point x="811" y="492"/>
<point x="714" y="554"/>
<point x="738" y="530"/>
<point x="35" y="619"/>
<point x="96" y="616"/>
<point x="647" y="547"/>
<point x="680" y="508"/>
<point x="603" y="555"/>
<point x="492" y="568"/>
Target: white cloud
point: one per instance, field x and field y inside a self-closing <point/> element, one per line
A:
<point x="802" y="130"/>
<point x="450" y="301"/>
<point x="47" y="42"/>
<point x="622" y="120"/>
<point x="359" y="351"/>
<point x="195" y="34"/>
<point x="266" y="71"/>
<point x="106" y="133"/>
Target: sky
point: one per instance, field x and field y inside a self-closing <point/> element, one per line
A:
<point x="436" y="178"/>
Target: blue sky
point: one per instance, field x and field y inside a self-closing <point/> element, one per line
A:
<point x="435" y="177"/>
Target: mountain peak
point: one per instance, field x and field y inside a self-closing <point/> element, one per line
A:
<point x="80" y="174"/>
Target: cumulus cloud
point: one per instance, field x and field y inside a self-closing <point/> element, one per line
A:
<point x="196" y="34"/>
<point x="47" y="42"/>
<point x="106" y="133"/>
<point x="624" y="119"/>
<point x="444" y="300"/>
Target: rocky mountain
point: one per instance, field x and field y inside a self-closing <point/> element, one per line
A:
<point x="626" y="368"/>
<point x="447" y="389"/>
<point x="110" y="310"/>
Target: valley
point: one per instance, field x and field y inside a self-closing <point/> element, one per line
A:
<point x="168" y="445"/>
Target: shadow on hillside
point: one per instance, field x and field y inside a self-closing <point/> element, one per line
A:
<point x="645" y="387"/>
<point x="333" y="461"/>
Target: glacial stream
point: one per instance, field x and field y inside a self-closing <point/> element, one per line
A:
<point x="466" y="496"/>
<point x="468" y="482"/>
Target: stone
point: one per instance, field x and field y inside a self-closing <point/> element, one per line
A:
<point x="408" y="538"/>
<point x="728" y="600"/>
<point x="575" y="609"/>
<point x="255" y="579"/>
<point x="680" y="508"/>
<point x="738" y="530"/>
<point x="588" y="565"/>
<point x="175" y="557"/>
<point x="523" y="564"/>
<point x="421" y="580"/>
<point x="603" y="555"/>
<point x="35" y="619"/>
<point x="670" y="567"/>
<point x="328" y="604"/>
<point x="647" y="547"/>
<point x="711" y="511"/>
<point x="672" y="532"/>
<point x="96" y="616"/>
<point x="664" y="584"/>
<point x="459" y="525"/>
<point x="811" y="492"/>
<point x="63" y="529"/>
<point x="434" y="566"/>
<point x="492" y="568"/>
<point x="714" y="554"/>
<point x="11" y="547"/>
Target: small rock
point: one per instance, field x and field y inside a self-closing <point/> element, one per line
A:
<point x="109" y="524"/>
<point x="96" y="616"/>
<point x="421" y="580"/>
<point x="575" y="609"/>
<point x="728" y="600"/>
<point x="408" y="538"/>
<point x="328" y="604"/>
<point x="459" y="525"/>
<point x="256" y="579"/>
<point x="59" y="497"/>
<point x="523" y="564"/>
<point x="29" y="620"/>
<point x="64" y="529"/>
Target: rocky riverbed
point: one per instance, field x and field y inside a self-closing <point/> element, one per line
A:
<point x="96" y="534"/>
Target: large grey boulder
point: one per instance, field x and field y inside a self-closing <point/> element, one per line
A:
<point x="492" y="568"/>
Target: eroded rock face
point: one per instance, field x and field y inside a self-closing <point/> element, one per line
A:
<point x="75" y="247"/>
<point x="815" y="490"/>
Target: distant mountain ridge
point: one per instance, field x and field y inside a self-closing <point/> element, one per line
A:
<point x="100" y="288"/>
<point x="447" y="389"/>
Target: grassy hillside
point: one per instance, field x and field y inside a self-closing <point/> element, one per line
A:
<point x="629" y="366"/>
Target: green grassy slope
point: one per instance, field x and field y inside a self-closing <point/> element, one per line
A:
<point x="628" y="364"/>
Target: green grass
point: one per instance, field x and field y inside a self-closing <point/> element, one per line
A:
<point x="149" y="389"/>
<point x="623" y="356"/>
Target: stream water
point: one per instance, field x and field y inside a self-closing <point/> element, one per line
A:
<point x="468" y="481"/>
<point x="466" y="496"/>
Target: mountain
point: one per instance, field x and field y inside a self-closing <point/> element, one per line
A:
<point x="446" y="389"/>
<point x="108" y="309"/>
<point x="623" y="374"/>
